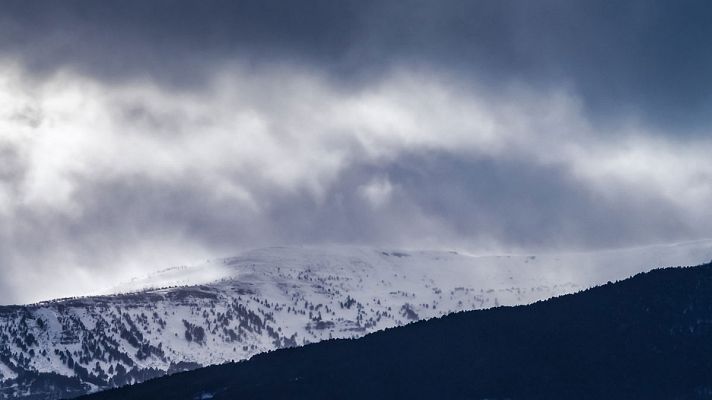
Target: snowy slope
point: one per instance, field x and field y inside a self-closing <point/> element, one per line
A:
<point x="233" y="308"/>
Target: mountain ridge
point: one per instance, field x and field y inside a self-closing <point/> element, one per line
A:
<point x="643" y="337"/>
<point x="269" y="299"/>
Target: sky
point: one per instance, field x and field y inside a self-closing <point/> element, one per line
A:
<point x="138" y="135"/>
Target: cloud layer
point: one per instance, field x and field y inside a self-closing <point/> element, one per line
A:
<point x="153" y="134"/>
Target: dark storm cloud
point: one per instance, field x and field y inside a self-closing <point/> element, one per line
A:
<point x="637" y="57"/>
<point x="174" y="41"/>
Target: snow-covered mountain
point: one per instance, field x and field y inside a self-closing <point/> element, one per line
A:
<point x="233" y="308"/>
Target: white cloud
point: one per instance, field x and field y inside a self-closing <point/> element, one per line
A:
<point x="377" y="192"/>
<point x="251" y="135"/>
